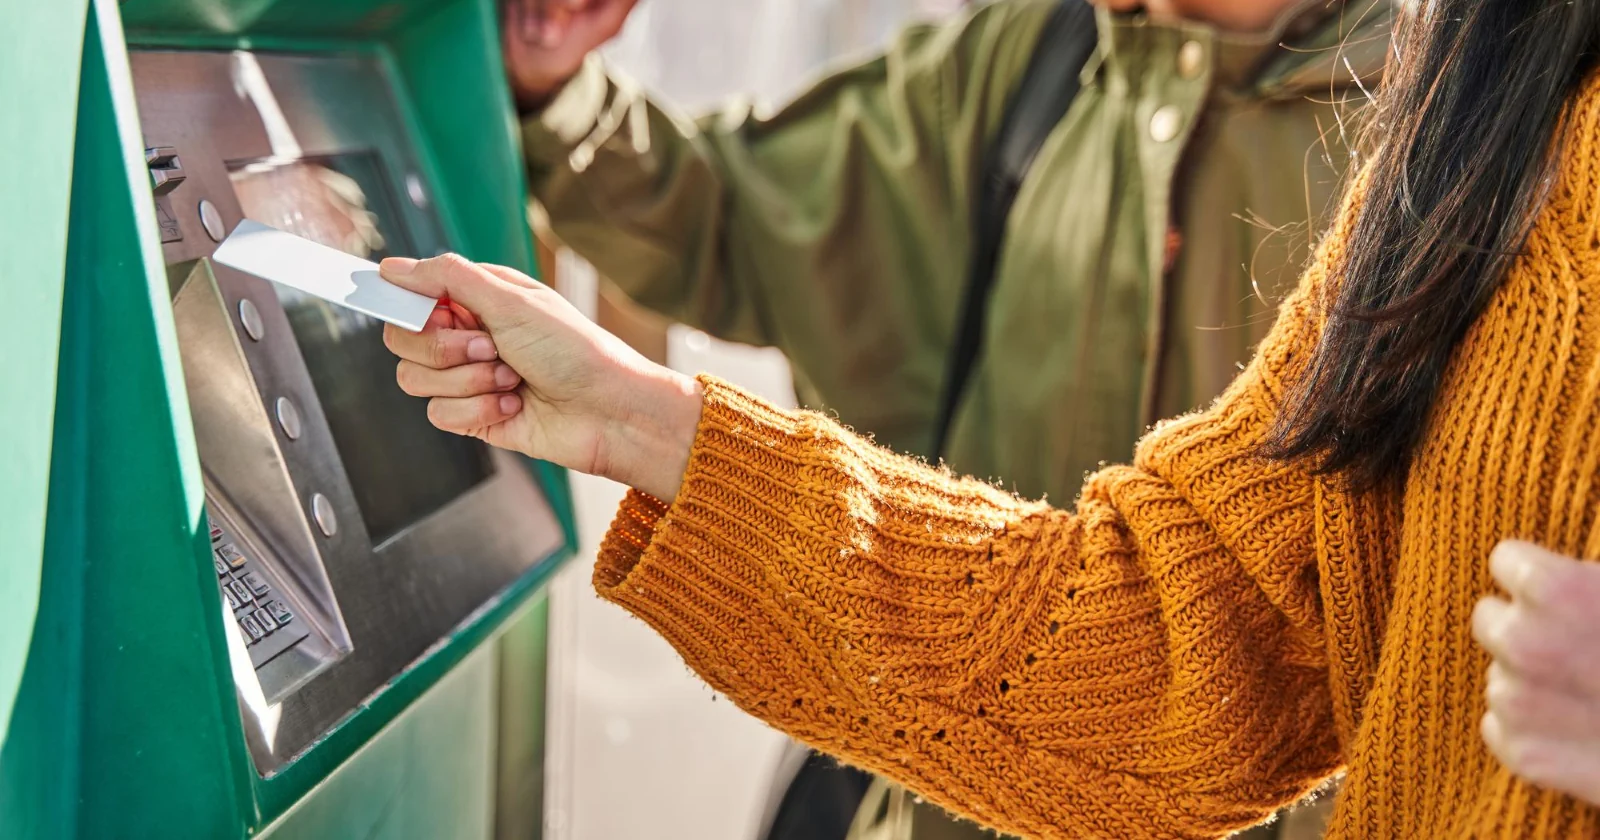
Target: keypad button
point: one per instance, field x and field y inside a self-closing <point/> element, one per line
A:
<point x="322" y="511"/>
<point x="289" y="418"/>
<point x="221" y="567"/>
<point x="250" y="318"/>
<point x="231" y="555"/>
<point x="257" y="586"/>
<point x="252" y="629"/>
<point x="264" y="620"/>
<point x="227" y="595"/>
<point x="241" y="592"/>
<point x="280" y="613"/>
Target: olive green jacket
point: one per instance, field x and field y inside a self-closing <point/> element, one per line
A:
<point x="1144" y="253"/>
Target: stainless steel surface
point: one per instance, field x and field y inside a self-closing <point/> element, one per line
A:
<point x="322" y="512"/>
<point x="211" y="220"/>
<point x="396" y="600"/>
<point x="250" y="319"/>
<point x="167" y="220"/>
<point x="166" y="173"/>
<point x="245" y="470"/>
<point x="288" y="417"/>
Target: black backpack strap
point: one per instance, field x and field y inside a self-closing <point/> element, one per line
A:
<point x="1048" y="87"/>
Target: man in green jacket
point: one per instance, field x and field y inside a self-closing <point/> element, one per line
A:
<point x="1160" y="221"/>
<point x="1169" y="206"/>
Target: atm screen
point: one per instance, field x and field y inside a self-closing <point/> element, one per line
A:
<point x="401" y="467"/>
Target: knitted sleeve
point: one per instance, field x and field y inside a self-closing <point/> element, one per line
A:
<point x="1150" y="664"/>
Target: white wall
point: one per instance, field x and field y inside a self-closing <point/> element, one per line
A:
<point x="639" y="747"/>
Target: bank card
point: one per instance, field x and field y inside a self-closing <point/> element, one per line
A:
<point x="327" y="273"/>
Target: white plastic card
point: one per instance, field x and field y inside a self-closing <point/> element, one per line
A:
<point x="330" y="274"/>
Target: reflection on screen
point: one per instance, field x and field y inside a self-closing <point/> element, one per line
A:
<point x="400" y="466"/>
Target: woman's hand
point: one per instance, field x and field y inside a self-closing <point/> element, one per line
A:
<point x="1544" y="685"/>
<point x="515" y="365"/>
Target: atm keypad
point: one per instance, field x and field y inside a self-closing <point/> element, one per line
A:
<point x="266" y="624"/>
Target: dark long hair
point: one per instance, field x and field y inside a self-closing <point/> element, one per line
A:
<point x="1465" y="134"/>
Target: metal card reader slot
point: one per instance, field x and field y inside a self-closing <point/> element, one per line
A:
<point x="166" y="173"/>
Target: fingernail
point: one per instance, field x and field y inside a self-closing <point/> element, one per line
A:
<point x="481" y="349"/>
<point x="397" y="266"/>
<point x="1491" y="620"/>
<point x="504" y="376"/>
<point x="509" y="404"/>
<point x="1525" y="574"/>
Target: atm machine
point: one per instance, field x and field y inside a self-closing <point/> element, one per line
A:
<point x="273" y="599"/>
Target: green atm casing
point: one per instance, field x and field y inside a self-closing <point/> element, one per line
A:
<point x="123" y="716"/>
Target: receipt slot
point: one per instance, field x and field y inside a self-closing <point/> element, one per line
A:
<point x="273" y="599"/>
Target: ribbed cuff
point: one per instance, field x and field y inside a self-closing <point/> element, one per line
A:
<point x="630" y="534"/>
<point x="730" y="502"/>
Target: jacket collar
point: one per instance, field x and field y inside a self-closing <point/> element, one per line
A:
<point x="1315" y="46"/>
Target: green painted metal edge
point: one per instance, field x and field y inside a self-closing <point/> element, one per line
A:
<point x="125" y="712"/>
<point x="38" y="77"/>
<point x="174" y="718"/>
<point x="428" y="774"/>
<point x="523" y="653"/>
<point x="364" y="19"/>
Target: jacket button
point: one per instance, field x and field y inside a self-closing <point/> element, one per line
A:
<point x="1191" y="59"/>
<point x="1165" y="123"/>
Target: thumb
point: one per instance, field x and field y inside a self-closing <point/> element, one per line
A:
<point x="453" y="276"/>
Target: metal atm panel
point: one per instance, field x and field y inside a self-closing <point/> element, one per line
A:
<point x="332" y="501"/>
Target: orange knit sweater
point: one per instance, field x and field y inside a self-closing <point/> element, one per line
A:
<point x="1206" y="637"/>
